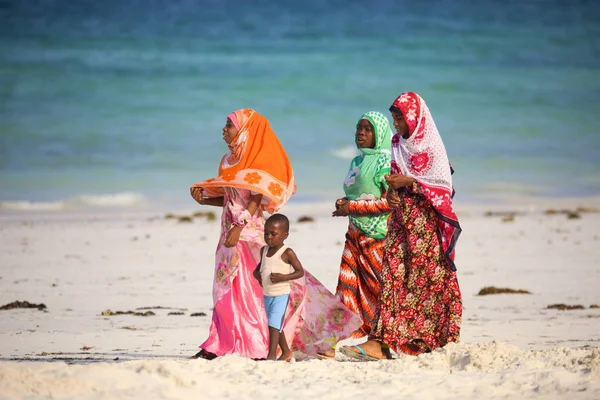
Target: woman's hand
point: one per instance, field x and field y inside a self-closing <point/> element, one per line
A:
<point x="397" y="181"/>
<point x="342" y="208"/>
<point x="393" y="198"/>
<point x="198" y="194"/>
<point x="233" y="236"/>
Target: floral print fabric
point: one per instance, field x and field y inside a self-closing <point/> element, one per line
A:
<point x="318" y="319"/>
<point x="228" y="258"/>
<point x="420" y="303"/>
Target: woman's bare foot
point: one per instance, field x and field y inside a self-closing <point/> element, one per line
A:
<point x="330" y="353"/>
<point x="327" y="355"/>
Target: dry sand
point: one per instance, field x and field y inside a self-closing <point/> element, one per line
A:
<point x="80" y="265"/>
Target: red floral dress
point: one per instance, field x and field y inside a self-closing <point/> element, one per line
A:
<point x="420" y="301"/>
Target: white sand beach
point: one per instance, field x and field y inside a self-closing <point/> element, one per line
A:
<point x="80" y="265"/>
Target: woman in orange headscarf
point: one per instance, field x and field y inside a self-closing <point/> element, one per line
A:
<point x="256" y="162"/>
<point x="255" y="176"/>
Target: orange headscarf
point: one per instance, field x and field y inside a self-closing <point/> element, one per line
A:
<point x="256" y="161"/>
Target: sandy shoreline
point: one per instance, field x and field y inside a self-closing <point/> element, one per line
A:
<point x="80" y="265"/>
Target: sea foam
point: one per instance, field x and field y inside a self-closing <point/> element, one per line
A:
<point x="124" y="199"/>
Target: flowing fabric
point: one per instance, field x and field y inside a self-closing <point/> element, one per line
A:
<point x="238" y="321"/>
<point x="423" y="157"/>
<point x="366" y="178"/>
<point x="256" y="161"/>
<point x="420" y="306"/>
<point x="315" y="318"/>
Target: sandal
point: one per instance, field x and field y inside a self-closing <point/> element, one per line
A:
<point x="358" y="355"/>
<point x="207" y="355"/>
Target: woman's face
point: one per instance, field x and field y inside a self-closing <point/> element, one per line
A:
<point x="400" y="124"/>
<point x="365" y="134"/>
<point x="229" y="131"/>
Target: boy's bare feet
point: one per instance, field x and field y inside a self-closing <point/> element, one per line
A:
<point x="285" y="356"/>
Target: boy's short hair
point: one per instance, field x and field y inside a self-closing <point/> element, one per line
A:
<point x="279" y="219"/>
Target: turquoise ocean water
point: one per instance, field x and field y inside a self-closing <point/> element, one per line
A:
<point x="119" y="102"/>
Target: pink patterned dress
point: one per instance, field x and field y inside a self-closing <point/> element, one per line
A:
<point x="315" y="318"/>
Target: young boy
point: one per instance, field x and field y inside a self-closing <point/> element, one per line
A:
<point x="278" y="265"/>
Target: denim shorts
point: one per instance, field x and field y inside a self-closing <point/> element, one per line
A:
<point x="275" y="307"/>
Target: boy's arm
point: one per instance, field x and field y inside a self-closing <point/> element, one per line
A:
<point x="289" y="257"/>
<point x="256" y="272"/>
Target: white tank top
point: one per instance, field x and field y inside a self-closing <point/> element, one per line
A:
<point x="274" y="264"/>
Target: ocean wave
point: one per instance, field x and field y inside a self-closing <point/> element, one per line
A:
<point x="25" y="205"/>
<point x="124" y="199"/>
<point x="345" y="153"/>
<point x="109" y="200"/>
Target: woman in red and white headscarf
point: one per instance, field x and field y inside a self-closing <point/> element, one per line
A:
<point x="420" y="305"/>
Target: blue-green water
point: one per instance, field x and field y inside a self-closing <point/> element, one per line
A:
<point x="123" y="100"/>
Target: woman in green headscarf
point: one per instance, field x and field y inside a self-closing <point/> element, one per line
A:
<point x="366" y="206"/>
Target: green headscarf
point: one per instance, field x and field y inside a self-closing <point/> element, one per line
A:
<point x="366" y="178"/>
